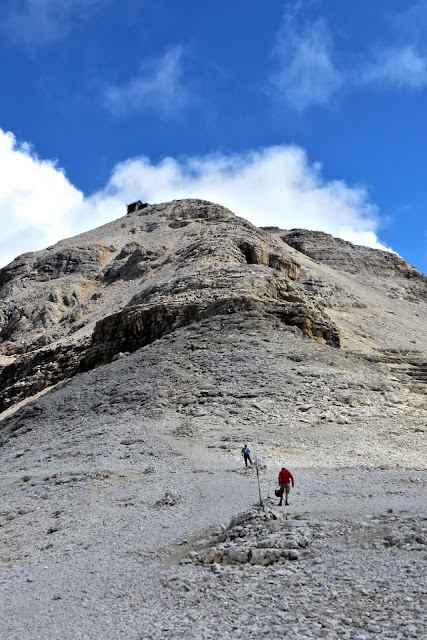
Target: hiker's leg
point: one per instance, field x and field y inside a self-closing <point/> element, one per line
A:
<point x="246" y="461"/>
<point x="249" y="458"/>
<point x="287" y="489"/>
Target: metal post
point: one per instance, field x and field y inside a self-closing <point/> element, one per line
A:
<point x="259" y="486"/>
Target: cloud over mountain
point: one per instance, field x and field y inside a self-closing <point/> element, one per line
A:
<point x="272" y="186"/>
<point x="35" y="199"/>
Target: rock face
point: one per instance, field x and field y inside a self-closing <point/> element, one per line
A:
<point x="76" y="305"/>
<point x="346" y="257"/>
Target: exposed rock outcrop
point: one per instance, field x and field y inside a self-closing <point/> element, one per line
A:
<point x="345" y="256"/>
<point x="78" y="304"/>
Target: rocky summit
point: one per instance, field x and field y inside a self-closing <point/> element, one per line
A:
<point x="137" y="360"/>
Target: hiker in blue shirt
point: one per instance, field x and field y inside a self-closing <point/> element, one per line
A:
<point x="246" y="455"/>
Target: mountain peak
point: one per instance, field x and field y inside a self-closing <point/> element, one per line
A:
<point x="129" y="282"/>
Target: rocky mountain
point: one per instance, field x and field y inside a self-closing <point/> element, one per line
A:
<point x="77" y="304"/>
<point x="137" y="359"/>
<point x="81" y="302"/>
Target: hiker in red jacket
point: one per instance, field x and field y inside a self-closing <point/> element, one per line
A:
<point x="285" y="477"/>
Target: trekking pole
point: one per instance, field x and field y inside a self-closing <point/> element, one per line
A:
<point x="259" y="486"/>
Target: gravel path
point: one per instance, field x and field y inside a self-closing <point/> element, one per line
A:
<point x="101" y="557"/>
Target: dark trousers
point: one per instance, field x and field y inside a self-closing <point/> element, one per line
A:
<point x="247" y="457"/>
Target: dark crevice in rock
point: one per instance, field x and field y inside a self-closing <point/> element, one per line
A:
<point x="249" y="253"/>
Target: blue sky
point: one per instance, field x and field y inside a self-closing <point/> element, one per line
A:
<point x="297" y="114"/>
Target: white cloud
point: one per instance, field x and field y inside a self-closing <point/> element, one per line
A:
<point x="35" y="200"/>
<point x="305" y="73"/>
<point x="274" y="186"/>
<point x="34" y="23"/>
<point x="402" y="67"/>
<point x="159" y="86"/>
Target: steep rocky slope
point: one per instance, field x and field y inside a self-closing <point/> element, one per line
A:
<point x="118" y="479"/>
<point x="376" y="299"/>
<point x="79" y="303"/>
